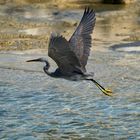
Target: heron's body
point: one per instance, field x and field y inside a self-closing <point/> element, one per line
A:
<point x="73" y="75"/>
<point x="71" y="56"/>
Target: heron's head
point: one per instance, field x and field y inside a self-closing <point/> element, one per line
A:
<point x="40" y="60"/>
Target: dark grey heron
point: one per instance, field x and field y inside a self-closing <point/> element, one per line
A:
<point x="71" y="56"/>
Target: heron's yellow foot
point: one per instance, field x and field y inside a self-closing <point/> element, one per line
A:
<point x="108" y="92"/>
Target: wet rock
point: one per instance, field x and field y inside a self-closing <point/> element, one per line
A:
<point x="119" y="1"/>
<point x="97" y="1"/>
<point x="56" y="13"/>
<point x="133" y="47"/>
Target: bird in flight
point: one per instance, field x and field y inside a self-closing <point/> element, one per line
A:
<point x="71" y="56"/>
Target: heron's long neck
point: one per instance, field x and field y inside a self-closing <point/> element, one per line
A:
<point x="46" y="68"/>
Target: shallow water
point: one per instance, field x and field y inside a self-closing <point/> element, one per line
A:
<point x="35" y="106"/>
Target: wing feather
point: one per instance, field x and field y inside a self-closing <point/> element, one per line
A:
<point x="60" y="51"/>
<point x="80" y="42"/>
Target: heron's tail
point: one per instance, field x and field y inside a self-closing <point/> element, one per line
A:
<point x="105" y="91"/>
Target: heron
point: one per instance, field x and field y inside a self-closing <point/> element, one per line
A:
<point x="71" y="55"/>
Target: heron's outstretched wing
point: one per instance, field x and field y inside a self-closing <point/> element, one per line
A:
<point x="80" y="42"/>
<point x="60" y="51"/>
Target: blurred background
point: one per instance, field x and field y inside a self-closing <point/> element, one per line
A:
<point x="35" y="106"/>
<point x="27" y="24"/>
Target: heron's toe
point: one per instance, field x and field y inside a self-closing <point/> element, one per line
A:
<point x="108" y="92"/>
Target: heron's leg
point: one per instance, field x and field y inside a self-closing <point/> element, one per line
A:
<point x="88" y="76"/>
<point x="91" y="73"/>
<point x="105" y="91"/>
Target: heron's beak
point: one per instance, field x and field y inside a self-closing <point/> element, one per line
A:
<point x="33" y="60"/>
